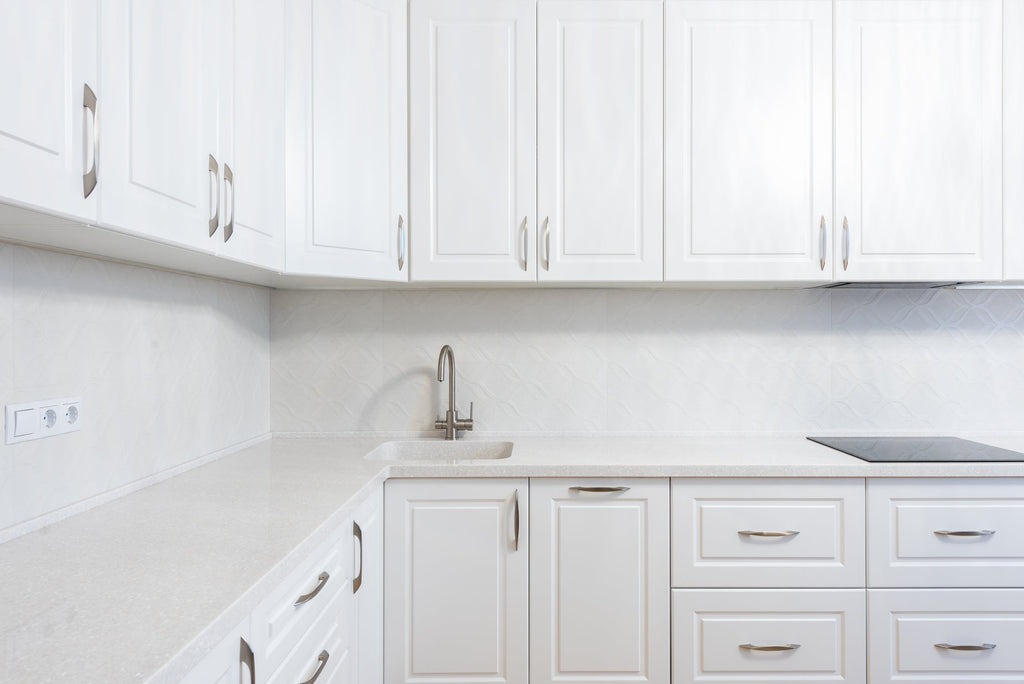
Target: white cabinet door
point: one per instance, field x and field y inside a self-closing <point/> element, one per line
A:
<point x="599" y="580"/>
<point x="1013" y="141"/>
<point x="369" y="589"/>
<point x="159" y="119"/>
<point x="456" y="581"/>
<point x="918" y="140"/>
<point x="251" y="131"/>
<point x="472" y="84"/>
<point x="229" y="662"/>
<point x="748" y="140"/>
<point x="599" y="140"/>
<point x="48" y="49"/>
<point x="347" y="132"/>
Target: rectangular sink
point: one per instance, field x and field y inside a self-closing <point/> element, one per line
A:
<point x="439" y="450"/>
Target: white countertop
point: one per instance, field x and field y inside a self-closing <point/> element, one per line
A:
<point x="140" y="588"/>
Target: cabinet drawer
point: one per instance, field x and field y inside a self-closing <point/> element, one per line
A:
<point x="907" y="626"/>
<point x="946" y="533"/>
<point x="277" y="623"/>
<point x="767" y="533"/>
<point x="329" y="637"/>
<point x="718" y="634"/>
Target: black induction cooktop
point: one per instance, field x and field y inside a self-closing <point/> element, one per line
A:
<point x="919" y="449"/>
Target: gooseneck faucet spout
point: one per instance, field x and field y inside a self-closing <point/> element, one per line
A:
<point x="451" y="423"/>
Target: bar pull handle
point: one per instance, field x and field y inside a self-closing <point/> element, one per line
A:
<point x="598" y="490"/>
<point x="215" y="170"/>
<point x="401" y="242"/>
<point x="775" y="648"/>
<point x="229" y="182"/>
<point x="89" y="178"/>
<point x="768" y="533"/>
<point x="515" y="520"/>
<point x="547" y="245"/>
<point x="322" y="662"/>
<point x="822" y="241"/>
<point x="321" y="581"/>
<point x="246" y="657"/>
<point x="357" y="532"/>
<point x="964" y="533"/>
<point x="965" y="647"/>
<point x="846" y="243"/>
<point x="526" y="243"/>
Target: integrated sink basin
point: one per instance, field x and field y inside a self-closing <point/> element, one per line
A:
<point x="440" y="450"/>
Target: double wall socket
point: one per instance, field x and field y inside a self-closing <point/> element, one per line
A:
<point x="38" y="419"/>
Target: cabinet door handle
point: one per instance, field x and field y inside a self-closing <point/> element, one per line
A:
<point x="964" y="533"/>
<point x="965" y="647"/>
<point x="768" y="533"/>
<point x="598" y="490"/>
<point x="229" y="181"/>
<point x="526" y="243"/>
<point x="322" y="662"/>
<point x="822" y="240"/>
<point x="357" y="532"/>
<point x="215" y="221"/>
<point x="321" y="581"/>
<point x="246" y="657"/>
<point x="89" y="177"/>
<point x="547" y="246"/>
<point x="846" y="243"/>
<point x="779" y="647"/>
<point x="401" y="243"/>
<point x="515" y="520"/>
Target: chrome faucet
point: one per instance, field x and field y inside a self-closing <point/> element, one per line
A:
<point x="451" y="423"/>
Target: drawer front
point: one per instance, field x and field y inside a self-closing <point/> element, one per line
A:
<point x="946" y="533"/>
<point x="727" y="635"/>
<point x="944" y="635"/>
<point x="329" y="638"/>
<point x="277" y="623"/>
<point x="767" y="532"/>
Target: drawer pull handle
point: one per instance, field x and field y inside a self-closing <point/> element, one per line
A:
<point x="599" y="490"/>
<point x="965" y="533"/>
<point x="322" y="660"/>
<point x="780" y="647"/>
<point x="246" y="657"/>
<point x="321" y="581"/>
<point x="769" y="533"/>
<point x="965" y="647"/>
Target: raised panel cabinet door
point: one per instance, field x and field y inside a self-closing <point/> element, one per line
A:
<point x="599" y="140"/>
<point x="47" y="132"/>
<point x="472" y="85"/>
<point x="347" y="155"/>
<point x="918" y="140"/>
<point x="251" y="134"/>
<point x="599" y="580"/>
<point x="229" y="662"/>
<point x="158" y="66"/>
<point x="456" y="564"/>
<point x="368" y="635"/>
<point x="748" y="140"/>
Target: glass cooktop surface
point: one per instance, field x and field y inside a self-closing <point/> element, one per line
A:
<point x="918" y="449"/>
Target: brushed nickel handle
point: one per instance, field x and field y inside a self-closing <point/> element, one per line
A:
<point x="246" y="657"/>
<point x="229" y="225"/>
<point x="515" y="521"/>
<point x="822" y="239"/>
<point x="965" y="647"/>
<point x="401" y="242"/>
<point x="768" y="533"/>
<point x="846" y="243"/>
<point x="964" y="533"/>
<point x="598" y="490"/>
<point x="215" y="221"/>
<point x="779" y="647"/>
<point x="526" y="242"/>
<point x="321" y="581"/>
<point x="357" y="532"/>
<point x="322" y="660"/>
<point x="89" y="177"/>
<point x="547" y="246"/>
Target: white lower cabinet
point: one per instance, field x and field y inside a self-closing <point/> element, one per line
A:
<point x="229" y="662"/>
<point x="456" y="561"/>
<point x="368" y="588"/>
<point x="599" y="580"/>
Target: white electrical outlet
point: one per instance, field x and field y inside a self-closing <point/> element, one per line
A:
<point x="38" y="419"/>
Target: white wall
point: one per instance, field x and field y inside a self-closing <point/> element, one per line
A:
<point x="652" y="361"/>
<point x="170" y="369"/>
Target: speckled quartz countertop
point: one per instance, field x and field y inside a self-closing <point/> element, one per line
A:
<point x="140" y="588"/>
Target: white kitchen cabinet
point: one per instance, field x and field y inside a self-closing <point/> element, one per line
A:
<point x="230" y="662"/>
<point x="748" y="140"/>
<point x="158" y="116"/>
<point x="472" y="85"/>
<point x="1013" y="141"/>
<point x="368" y="588"/>
<point x="599" y="140"/>
<point x="47" y="133"/>
<point x="347" y="139"/>
<point x="599" y="580"/>
<point x="456" y="565"/>
<point x="918" y="140"/>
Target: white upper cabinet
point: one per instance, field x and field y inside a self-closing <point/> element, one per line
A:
<point x="599" y="140"/>
<point x="347" y="163"/>
<point x="1013" y="141"/>
<point x="748" y="140"/>
<point x="158" y="116"/>
<point x="918" y="140"/>
<point x="47" y="131"/>
<point x="472" y="83"/>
